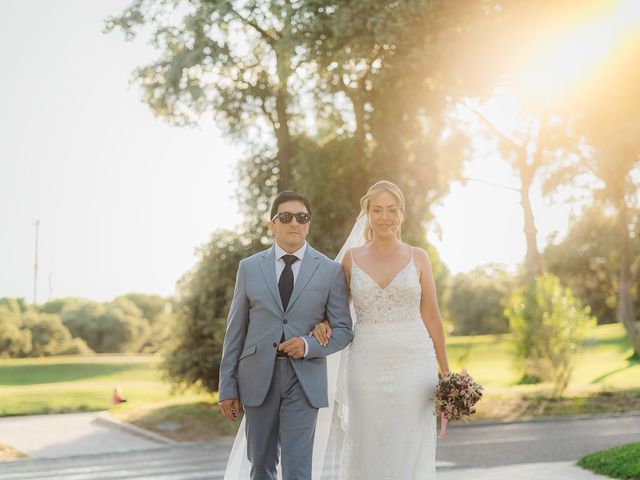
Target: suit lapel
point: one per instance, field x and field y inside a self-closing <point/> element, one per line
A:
<point x="268" y="268"/>
<point x="309" y="264"/>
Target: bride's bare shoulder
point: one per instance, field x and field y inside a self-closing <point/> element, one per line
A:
<point x="348" y="258"/>
<point x="420" y="256"/>
<point x="359" y="251"/>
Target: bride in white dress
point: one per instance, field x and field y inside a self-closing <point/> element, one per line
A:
<point x="391" y="368"/>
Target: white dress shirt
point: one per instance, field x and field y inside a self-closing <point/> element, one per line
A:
<point x="295" y="267"/>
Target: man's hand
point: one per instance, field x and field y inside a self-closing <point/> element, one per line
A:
<point x="230" y="408"/>
<point x="294" y="347"/>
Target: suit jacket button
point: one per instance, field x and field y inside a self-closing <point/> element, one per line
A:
<point x="275" y="345"/>
<point x="285" y="321"/>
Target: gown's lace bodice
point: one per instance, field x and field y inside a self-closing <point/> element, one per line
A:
<point x="398" y="302"/>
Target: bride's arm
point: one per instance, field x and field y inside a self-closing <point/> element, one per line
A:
<point x="346" y="268"/>
<point x="429" y="308"/>
<point x="322" y="331"/>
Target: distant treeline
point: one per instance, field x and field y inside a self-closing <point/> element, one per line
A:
<point x="131" y="323"/>
<point x="587" y="261"/>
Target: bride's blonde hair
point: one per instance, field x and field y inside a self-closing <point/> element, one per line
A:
<point x="374" y="190"/>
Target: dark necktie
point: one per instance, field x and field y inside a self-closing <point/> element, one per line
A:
<point x="285" y="284"/>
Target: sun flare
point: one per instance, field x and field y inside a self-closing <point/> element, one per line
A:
<point x="574" y="54"/>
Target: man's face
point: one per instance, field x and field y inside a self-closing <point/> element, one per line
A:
<point x="290" y="236"/>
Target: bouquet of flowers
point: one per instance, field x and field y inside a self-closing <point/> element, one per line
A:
<point x="456" y="396"/>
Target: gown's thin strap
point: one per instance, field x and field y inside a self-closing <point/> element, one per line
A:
<point x="351" y="272"/>
<point x="414" y="264"/>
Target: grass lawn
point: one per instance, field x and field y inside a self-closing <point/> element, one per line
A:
<point x="602" y="364"/>
<point x="181" y="418"/>
<point x="78" y="383"/>
<point x="85" y="383"/>
<point x="604" y="381"/>
<point x="618" y="462"/>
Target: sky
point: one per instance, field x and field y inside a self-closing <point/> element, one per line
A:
<point x="123" y="198"/>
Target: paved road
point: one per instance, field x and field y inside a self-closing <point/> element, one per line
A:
<point x="52" y="436"/>
<point x="465" y="446"/>
<point x="166" y="463"/>
<point x="538" y="441"/>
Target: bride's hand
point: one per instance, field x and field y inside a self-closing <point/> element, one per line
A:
<point x="322" y="331"/>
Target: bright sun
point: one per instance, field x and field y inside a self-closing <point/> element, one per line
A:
<point x="482" y="211"/>
<point x="568" y="57"/>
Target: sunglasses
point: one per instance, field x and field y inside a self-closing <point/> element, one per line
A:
<point x="287" y="217"/>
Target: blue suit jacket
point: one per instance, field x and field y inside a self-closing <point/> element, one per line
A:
<point x="257" y="321"/>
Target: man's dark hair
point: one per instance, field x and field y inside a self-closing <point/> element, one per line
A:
<point x="287" y="197"/>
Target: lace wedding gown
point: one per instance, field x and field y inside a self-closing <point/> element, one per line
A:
<point x="391" y="375"/>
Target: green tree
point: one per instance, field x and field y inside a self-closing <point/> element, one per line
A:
<point x="474" y="301"/>
<point x="587" y="260"/>
<point x="193" y="353"/>
<point x="266" y="72"/>
<point x="50" y="337"/>
<point x="15" y="341"/>
<point x="56" y="306"/>
<point x="505" y="56"/>
<point x="617" y="154"/>
<point x="31" y="333"/>
<point x="548" y="324"/>
<point x="81" y="320"/>
<point x="158" y="312"/>
<point x="605" y="115"/>
<point x="14" y="304"/>
<point x="122" y="327"/>
<point x="113" y="327"/>
<point x="239" y="61"/>
<point x="383" y="80"/>
<point x="153" y="307"/>
<point x="261" y="67"/>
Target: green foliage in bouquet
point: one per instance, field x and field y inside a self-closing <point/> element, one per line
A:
<point x="548" y="324"/>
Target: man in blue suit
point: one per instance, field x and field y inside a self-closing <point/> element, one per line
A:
<point x="270" y="366"/>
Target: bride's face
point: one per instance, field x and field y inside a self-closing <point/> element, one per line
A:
<point x="384" y="214"/>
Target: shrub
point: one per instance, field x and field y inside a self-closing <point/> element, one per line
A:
<point x="548" y="324"/>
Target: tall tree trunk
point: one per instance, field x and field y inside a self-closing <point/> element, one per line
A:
<point x="283" y="136"/>
<point x="358" y="182"/>
<point x="625" y="305"/>
<point x="533" y="263"/>
<point x="357" y="99"/>
<point x="526" y="171"/>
